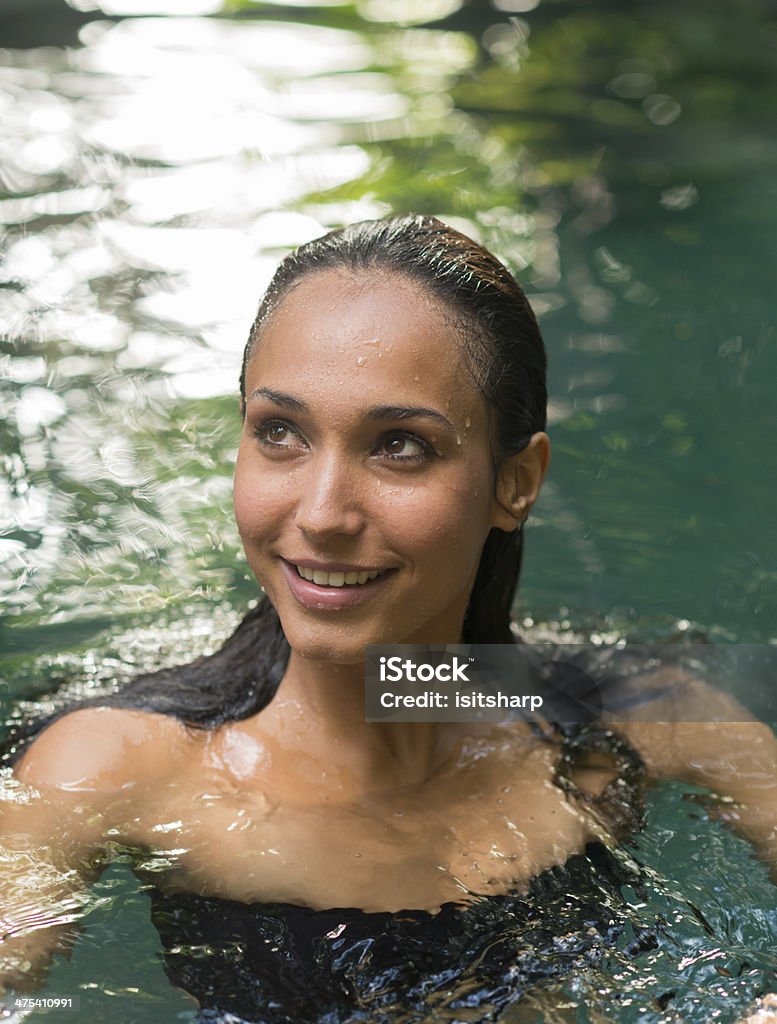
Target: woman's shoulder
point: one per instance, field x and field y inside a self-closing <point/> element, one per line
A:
<point x="104" y="750"/>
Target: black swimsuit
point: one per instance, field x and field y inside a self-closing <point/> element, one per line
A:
<point x="286" y="964"/>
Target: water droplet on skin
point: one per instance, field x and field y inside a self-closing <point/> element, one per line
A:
<point x="458" y="439"/>
<point x="357" y="855"/>
<point x="399" y="813"/>
<point x="361" y="361"/>
<point x="416" y="380"/>
<point x="467" y="422"/>
<point x="506" y="789"/>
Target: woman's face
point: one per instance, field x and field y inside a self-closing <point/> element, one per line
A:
<point x="364" y="485"/>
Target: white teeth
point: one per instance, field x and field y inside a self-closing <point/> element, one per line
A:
<point x="335" y="579"/>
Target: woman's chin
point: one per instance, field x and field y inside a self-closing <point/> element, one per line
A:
<point x="332" y="649"/>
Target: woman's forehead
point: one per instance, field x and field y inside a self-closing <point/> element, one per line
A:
<point x="342" y="343"/>
<point x="363" y="326"/>
<point x="375" y="299"/>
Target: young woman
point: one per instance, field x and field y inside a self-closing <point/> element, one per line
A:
<point x="393" y="445"/>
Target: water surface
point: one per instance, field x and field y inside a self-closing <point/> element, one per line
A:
<point x="153" y="169"/>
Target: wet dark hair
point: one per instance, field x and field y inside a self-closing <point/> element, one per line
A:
<point x="504" y="352"/>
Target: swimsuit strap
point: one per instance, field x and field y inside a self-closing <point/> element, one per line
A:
<point x="620" y="805"/>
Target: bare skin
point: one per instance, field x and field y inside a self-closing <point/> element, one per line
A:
<point x="257" y="837"/>
<point x="367" y="447"/>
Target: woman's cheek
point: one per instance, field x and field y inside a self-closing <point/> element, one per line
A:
<point x="253" y="501"/>
<point x="243" y="505"/>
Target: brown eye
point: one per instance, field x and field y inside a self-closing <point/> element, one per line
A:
<point x="276" y="434"/>
<point x="405" y="448"/>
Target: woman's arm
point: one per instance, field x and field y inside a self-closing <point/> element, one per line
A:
<point x="44" y="877"/>
<point x="699" y="734"/>
<point x="58" y="813"/>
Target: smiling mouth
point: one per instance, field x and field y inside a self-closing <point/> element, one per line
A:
<point x="337" y="579"/>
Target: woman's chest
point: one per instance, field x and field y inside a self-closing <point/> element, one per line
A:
<point x="472" y="831"/>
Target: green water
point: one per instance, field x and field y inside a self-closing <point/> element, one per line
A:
<point x="620" y="157"/>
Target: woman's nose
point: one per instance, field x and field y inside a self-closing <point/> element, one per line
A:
<point x="329" y="503"/>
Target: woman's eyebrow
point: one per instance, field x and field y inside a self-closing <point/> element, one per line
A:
<point x="375" y="412"/>
<point x="279" y="398"/>
<point x="406" y="412"/>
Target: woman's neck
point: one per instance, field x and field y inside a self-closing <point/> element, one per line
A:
<point x="326" y="703"/>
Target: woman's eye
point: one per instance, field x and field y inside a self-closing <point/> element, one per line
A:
<point x="405" y="448"/>
<point x="277" y="434"/>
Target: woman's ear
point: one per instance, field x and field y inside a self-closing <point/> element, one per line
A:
<point x="518" y="483"/>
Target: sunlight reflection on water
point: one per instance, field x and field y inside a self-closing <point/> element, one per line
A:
<point x="154" y="165"/>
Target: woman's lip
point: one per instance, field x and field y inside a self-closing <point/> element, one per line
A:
<point x="319" y="598"/>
